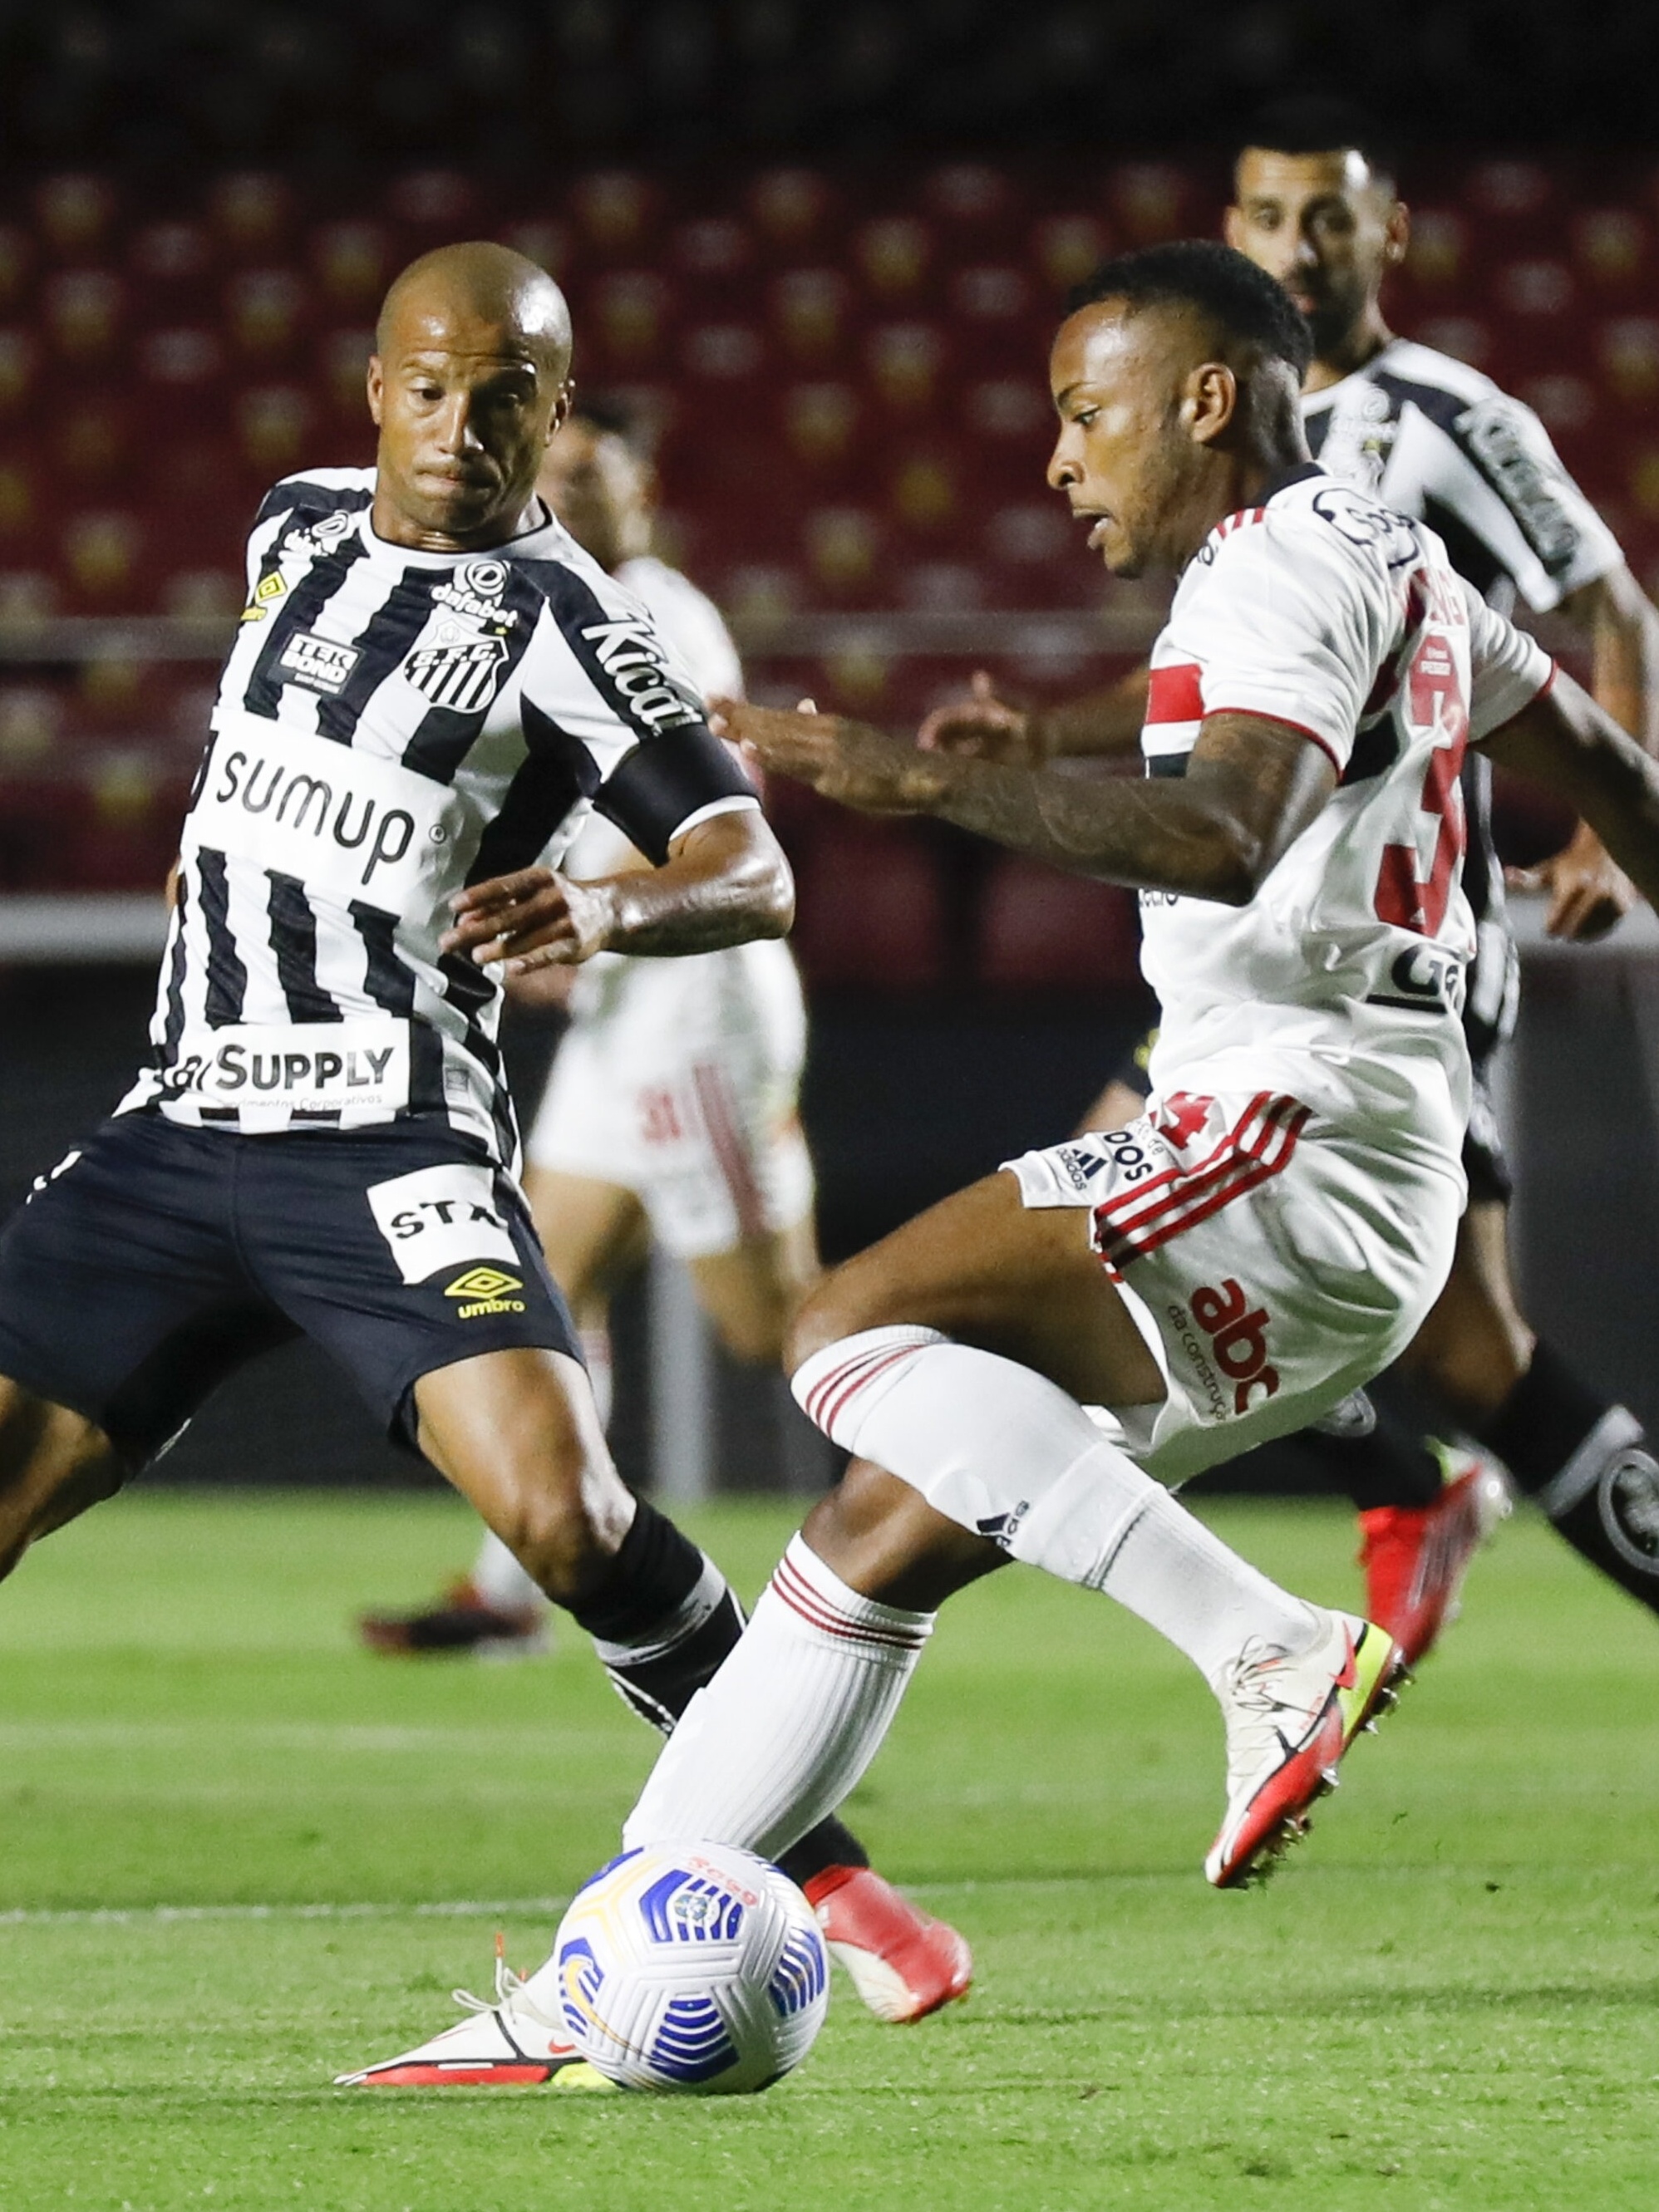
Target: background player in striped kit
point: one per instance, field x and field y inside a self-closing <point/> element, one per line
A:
<point x="1315" y="205"/>
<point x="431" y="686"/>
<point x="671" y="1112"/>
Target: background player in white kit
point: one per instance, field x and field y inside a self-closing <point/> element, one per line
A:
<point x="672" y="1111"/>
<point x="1315" y="205"/>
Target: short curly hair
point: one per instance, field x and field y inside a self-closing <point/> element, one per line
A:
<point x="1237" y="297"/>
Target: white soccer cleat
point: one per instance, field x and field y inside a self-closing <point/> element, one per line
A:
<point x="1290" y="1717"/>
<point x="507" y="2044"/>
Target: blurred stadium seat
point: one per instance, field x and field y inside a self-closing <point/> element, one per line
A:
<point x="846" y="368"/>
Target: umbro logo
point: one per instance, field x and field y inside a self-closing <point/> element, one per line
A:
<point x="486" y="1291"/>
<point x="481" y="1283"/>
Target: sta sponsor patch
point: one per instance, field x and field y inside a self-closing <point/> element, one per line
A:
<point x="445" y="1217"/>
<point x="318" y="663"/>
<point x="484" y="1291"/>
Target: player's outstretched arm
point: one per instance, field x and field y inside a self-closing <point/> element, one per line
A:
<point x="725" y="881"/>
<point x="1102" y="725"/>
<point x="1564" y="741"/>
<point x="1252" y="786"/>
<point x="1588" y="893"/>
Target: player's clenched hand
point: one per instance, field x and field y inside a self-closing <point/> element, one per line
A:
<point x="982" y="726"/>
<point x="1588" y="892"/>
<point x="533" y="919"/>
<point x="847" y="761"/>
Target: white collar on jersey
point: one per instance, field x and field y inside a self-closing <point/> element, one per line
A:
<point x="547" y="539"/>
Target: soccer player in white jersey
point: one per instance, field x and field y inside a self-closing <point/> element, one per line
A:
<point x="1275" y="1227"/>
<point x="1315" y="205"/>
<point x="671" y="1110"/>
<point x="431" y="688"/>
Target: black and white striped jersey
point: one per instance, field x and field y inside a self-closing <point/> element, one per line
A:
<point x="1436" y="440"/>
<point x="390" y="727"/>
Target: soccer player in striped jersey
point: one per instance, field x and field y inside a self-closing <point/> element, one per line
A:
<point x="432" y="688"/>
<point x="1315" y="205"/>
<point x="671" y="1115"/>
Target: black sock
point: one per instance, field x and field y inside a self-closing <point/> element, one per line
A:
<point x="1587" y="1464"/>
<point x="663" y="1622"/>
<point x="1380" y="1460"/>
<point x="1388" y="1465"/>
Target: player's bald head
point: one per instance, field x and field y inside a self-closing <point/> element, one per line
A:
<point x="483" y="286"/>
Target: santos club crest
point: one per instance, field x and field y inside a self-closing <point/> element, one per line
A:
<point x="460" y="671"/>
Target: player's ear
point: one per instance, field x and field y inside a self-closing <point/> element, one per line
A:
<point x="376" y="387"/>
<point x="1209" y="402"/>
<point x="1397" y="235"/>
<point x="562" y="405"/>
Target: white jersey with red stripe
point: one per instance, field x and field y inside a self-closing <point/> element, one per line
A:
<point x="1340" y="983"/>
<point x="1280" y="1219"/>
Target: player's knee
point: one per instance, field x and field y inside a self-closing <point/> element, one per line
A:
<point x="840" y="1305"/>
<point x="565" y="1536"/>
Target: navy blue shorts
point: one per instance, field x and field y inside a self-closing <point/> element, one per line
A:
<point x="156" y="1260"/>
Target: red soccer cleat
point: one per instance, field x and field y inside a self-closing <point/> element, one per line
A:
<point x="504" y="2043"/>
<point x="904" y="1963"/>
<point x="464" y="1621"/>
<point x="1415" y="1557"/>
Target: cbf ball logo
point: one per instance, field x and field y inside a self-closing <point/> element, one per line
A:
<point x="684" y="1907"/>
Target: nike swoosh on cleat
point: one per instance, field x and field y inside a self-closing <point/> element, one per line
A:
<point x="1350" y="1674"/>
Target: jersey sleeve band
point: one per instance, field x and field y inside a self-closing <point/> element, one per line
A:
<point x="652" y="794"/>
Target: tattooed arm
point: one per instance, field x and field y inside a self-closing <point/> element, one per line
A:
<point x="1252" y="786"/>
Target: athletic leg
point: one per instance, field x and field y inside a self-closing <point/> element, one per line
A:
<point x="53" y="1465"/>
<point x="968" y="1449"/>
<point x="1584" y="1458"/>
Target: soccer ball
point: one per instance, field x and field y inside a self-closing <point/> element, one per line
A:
<point x="693" y="1967"/>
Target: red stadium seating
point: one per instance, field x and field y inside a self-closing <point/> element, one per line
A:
<point x="846" y="369"/>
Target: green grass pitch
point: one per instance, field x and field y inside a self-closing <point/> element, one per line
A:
<point x="237" y="1855"/>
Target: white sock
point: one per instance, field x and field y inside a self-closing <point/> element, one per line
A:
<point x="791" y="1720"/>
<point x="596" y="1352"/>
<point x="996" y="1446"/>
<point x="501" y="1581"/>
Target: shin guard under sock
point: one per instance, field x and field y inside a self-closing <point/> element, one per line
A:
<point x="663" y="1624"/>
<point x="1587" y="1463"/>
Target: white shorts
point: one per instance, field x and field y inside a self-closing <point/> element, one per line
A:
<point x="679" y="1080"/>
<point x="1273" y="1259"/>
